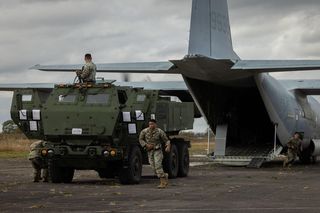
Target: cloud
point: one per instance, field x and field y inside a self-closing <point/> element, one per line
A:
<point x="60" y="32"/>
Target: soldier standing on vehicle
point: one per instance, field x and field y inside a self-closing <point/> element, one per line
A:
<point x="151" y="139"/>
<point x="88" y="72"/>
<point x="37" y="162"/>
<point x="294" y="146"/>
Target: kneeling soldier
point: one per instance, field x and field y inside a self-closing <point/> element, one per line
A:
<point x="294" y="146"/>
<point x="37" y="162"/>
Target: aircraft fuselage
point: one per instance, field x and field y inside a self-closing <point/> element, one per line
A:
<point x="293" y="111"/>
<point x="250" y="104"/>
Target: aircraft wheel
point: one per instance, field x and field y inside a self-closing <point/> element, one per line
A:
<point x="305" y="156"/>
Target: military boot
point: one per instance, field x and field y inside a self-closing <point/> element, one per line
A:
<point x="284" y="165"/>
<point x="36" y="176"/>
<point x="45" y="175"/>
<point x="163" y="182"/>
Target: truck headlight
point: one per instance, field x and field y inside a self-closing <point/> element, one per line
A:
<point x="44" y="152"/>
<point x="113" y="153"/>
<point x="106" y="153"/>
<point x="50" y="152"/>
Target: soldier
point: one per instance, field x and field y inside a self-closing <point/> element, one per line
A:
<point x="151" y="139"/>
<point x="88" y="72"/>
<point x="294" y="146"/>
<point x="37" y="162"/>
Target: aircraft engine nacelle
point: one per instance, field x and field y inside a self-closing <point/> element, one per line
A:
<point x="310" y="150"/>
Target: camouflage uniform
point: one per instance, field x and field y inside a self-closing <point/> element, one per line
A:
<point x="37" y="162"/>
<point x="88" y="73"/>
<point x="293" y="150"/>
<point x="155" y="137"/>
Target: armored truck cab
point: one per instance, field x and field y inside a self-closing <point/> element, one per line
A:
<point x="96" y="126"/>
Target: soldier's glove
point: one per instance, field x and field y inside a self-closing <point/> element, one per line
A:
<point x="168" y="148"/>
<point x="78" y="72"/>
<point x="149" y="147"/>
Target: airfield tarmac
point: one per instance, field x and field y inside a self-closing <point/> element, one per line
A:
<point x="209" y="188"/>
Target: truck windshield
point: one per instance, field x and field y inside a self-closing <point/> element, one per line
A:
<point x="98" y="99"/>
<point x="67" y="98"/>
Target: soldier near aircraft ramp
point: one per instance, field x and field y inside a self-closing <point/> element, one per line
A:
<point x="294" y="146"/>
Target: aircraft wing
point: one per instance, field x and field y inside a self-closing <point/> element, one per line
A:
<point x="309" y="91"/>
<point x="276" y="65"/>
<point x="308" y="87"/>
<point x="298" y="84"/>
<point x="157" y="85"/>
<point x="137" y="67"/>
<point x="154" y="85"/>
<point x="12" y="87"/>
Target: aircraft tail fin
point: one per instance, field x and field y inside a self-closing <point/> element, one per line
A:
<point x="210" y="33"/>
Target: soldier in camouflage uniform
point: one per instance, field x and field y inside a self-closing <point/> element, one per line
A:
<point x="294" y="146"/>
<point x="37" y="162"/>
<point x="88" y="72"/>
<point x="151" y="139"/>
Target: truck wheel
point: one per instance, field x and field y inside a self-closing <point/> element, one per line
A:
<point x="55" y="173"/>
<point x="131" y="173"/>
<point x="171" y="162"/>
<point x="67" y="175"/>
<point x="183" y="161"/>
<point x="108" y="172"/>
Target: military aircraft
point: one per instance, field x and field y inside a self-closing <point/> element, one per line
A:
<point x="250" y="111"/>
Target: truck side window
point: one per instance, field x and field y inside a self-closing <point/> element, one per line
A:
<point x="141" y="98"/>
<point x="98" y="99"/>
<point x="122" y="95"/>
<point x="67" y="98"/>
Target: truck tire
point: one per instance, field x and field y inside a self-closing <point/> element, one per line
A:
<point x="183" y="160"/>
<point x="67" y="175"/>
<point x="130" y="173"/>
<point x="59" y="174"/>
<point x="55" y="172"/>
<point x="108" y="172"/>
<point x="171" y="162"/>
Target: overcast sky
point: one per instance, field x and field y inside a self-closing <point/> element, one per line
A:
<point x="61" y="31"/>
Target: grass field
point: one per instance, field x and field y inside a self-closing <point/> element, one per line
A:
<point x="14" y="146"/>
<point x="17" y="146"/>
<point x="199" y="144"/>
<point x="199" y="147"/>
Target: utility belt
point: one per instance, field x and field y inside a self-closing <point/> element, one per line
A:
<point x="156" y="146"/>
<point x="40" y="162"/>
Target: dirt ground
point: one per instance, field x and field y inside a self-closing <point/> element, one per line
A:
<point x="209" y="188"/>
